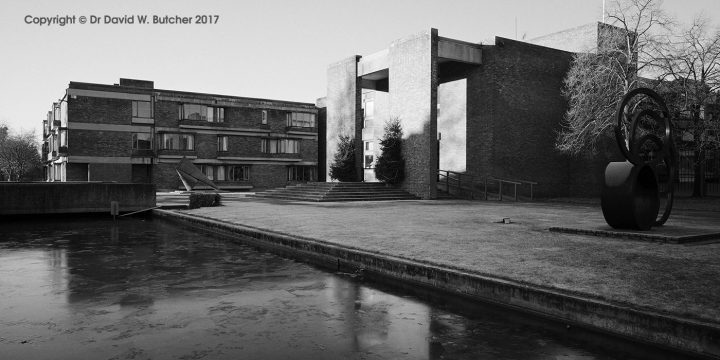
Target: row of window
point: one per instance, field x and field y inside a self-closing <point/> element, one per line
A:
<point x="280" y="146"/>
<point x="242" y="172"/>
<point x="302" y="173"/>
<point x="226" y="172"/>
<point x="143" y="109"/>
<point x="201" y="112"/>
<point x="173" y="141"/>
<point x="217" y="114"/>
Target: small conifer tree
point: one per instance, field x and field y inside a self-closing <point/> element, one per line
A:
<point x="343" y="165"/>
<point x="390" y="167"/>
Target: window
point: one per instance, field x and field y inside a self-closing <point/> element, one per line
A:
<point x="222" y="143"/>
<point x="208" y="170"/>
<point x="141" y="109"/>
<point x="238" y="173"/>
<point x="177" y="141"/>
<point x="141" y="141"/>
<point x="298" y="119"/>
<point x="369" y="155"/>
<point x="226" y="172"/>
<point x="169" y="141"/>
<point x="215" y="114"/>
<point x="264" y="117"/>
<point x="301" y="173"/>
<point x="368" y="107"/>
<point x="280" y="146"/>
<point x="201" y="112"/>
<point x="368" y="161"/>
<point x="187" y="142"/>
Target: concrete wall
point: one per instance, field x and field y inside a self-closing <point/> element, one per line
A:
<point x="374" y="128"/>
<point x="344" y="112"/>
<point x="413" y="99"/>
<point x="452" y="124"/>
<point x="579" y="39"/>
<point x="66" y="198"/>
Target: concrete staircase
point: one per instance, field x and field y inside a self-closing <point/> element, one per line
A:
<point x="344" y="191"/>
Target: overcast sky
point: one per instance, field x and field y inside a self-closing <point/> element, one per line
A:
<point x="276" y="49"/>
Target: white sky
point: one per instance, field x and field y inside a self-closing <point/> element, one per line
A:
<point x="276" y="49"/>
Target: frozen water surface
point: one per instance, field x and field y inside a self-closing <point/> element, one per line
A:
<point x="149" y="289"/>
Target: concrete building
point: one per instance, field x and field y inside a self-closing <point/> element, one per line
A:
<point x="482" y="109"/>
<point x="133" y="132"/>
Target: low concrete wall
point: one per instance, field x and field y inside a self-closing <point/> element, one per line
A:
<point x="684" y="336"/>
<point x="67" y="198"/>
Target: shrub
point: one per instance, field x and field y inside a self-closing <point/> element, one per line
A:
<point x="198" y="200"/>
<point x="343" y="165"/>
<point x="390" y="167"/>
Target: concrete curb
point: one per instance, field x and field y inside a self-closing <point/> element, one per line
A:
<point x="688" y="336"/>
<point x="684" y="239"/>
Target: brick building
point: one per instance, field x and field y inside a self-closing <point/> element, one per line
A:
<point x="496" y="107"/>
<point x="133" y="132"/>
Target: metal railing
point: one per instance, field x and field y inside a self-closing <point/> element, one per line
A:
<point x="472" y="187"/>
<point x="514" y="183"/>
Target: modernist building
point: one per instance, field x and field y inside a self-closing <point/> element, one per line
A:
<point x="483" y="109"/>
<point x="133" y="132"/>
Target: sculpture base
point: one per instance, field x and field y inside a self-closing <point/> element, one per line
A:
<point x="665" y="234"/>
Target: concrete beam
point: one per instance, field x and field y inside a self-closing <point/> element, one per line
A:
<point x="456" y="50"/>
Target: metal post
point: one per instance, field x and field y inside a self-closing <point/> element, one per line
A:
<point x="500" y="192"/>
<point x="515" y="190"/>
<point x="531" y="191"/>
<point x="485" y="188"/>
<point x="447" y="181"/>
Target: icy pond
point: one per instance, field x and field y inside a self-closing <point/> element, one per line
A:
<point x="148" y="289"/>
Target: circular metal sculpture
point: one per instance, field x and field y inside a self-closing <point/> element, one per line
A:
<point x="634" y="189"/>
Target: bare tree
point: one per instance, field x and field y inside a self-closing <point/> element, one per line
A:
<point x="597" y="81"/>
<point x="691" y="79"/>
<point x="19" y="156"/>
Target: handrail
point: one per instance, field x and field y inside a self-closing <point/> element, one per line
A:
<point x="518" y="182"/>
<point x="471" y="182"/>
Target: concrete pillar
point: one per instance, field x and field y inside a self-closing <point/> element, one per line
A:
<point x="344" y="110"/>
<point x="413" y="87"/>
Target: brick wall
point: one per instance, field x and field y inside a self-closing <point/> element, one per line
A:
<point x="243" y="146"/>
<point x="206" y="146"/>
<point x="268" y="176"/>
<point x="513" y="114"/>
<point x="166" y="114"/>
<point x="165" y="177"/>
<point x="99" y="143"/>
<point x="76" y="172"/>
<point x="99" y="110"/>
<point x="309" y="149"/>
<point x="121" y="173"/>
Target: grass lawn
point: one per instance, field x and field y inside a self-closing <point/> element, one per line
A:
<point x="683" y="280"/>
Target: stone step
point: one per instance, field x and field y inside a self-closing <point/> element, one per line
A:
<point x="337" y="192"/>
<point x="336" y="199"/>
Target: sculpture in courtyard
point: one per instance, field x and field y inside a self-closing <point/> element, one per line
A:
<point x="634" y="189"/>
<point x="190" y="175"/>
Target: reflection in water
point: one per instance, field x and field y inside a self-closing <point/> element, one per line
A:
<point x="148" y="289"/>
